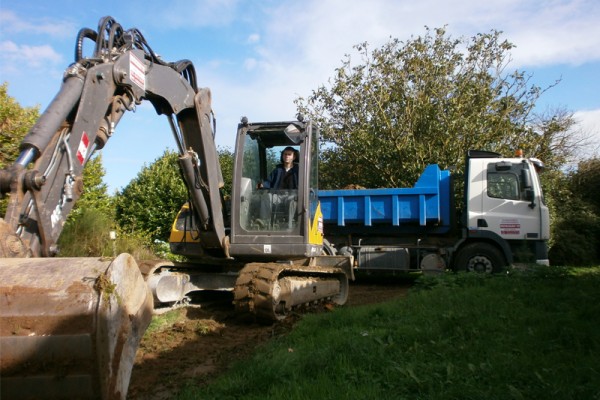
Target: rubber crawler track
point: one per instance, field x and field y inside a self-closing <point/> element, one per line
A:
<point x="253" y="292"/>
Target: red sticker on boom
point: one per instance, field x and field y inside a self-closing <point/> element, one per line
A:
<point x="83" y="148"/>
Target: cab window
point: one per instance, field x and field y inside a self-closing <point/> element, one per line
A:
<point x="503" y="185"/>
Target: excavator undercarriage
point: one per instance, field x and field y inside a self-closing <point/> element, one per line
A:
<point x="270" y="291"/>
<point x="267" y="291"/>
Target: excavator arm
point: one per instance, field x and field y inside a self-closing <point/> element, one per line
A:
<point x="70" y="327"/>
<point x="96" y="92"/>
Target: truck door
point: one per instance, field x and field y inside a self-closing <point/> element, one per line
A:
<point x="509" y="206"/>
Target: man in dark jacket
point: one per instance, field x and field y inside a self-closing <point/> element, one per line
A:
<point x="283" y="177"/>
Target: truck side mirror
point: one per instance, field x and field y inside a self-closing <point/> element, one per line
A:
<point x="529" y="195"/>
<point x="528" y="187"/>
<point x="526" y="179"/>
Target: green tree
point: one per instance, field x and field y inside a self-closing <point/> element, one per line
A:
<point x="226" y="160"/>
<point x="427" y="100"/>
<point x="151" y="201"/>
<point x="95" y="191"/>
<point x="15" y="122"/>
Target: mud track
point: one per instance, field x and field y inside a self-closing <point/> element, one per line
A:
<point x="206" y="340"/>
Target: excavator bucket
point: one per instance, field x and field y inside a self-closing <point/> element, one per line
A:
<point x="70" y="327"/>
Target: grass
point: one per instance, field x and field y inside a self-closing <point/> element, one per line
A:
<point x="523" y="335"/>
<point x="165" y="321"/>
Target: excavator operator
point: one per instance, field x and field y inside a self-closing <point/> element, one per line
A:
<point x="285" y="175"/>
<point x="284" y="180"/>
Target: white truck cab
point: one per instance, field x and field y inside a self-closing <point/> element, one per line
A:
<point x="505" y="203"/>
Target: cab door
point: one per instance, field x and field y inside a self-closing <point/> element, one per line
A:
<point x="265" y="221"/>
<point x="507" y="206"/>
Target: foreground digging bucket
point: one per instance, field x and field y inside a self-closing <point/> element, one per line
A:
<point x="70" y="327"/>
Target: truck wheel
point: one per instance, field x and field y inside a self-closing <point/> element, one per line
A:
<point x="479" y="257"/>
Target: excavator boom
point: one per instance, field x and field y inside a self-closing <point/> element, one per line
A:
<point x="95" y="93"/>
<point x="70" y="327"/>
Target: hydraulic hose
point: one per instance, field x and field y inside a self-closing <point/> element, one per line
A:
<point x="85" y="33"/>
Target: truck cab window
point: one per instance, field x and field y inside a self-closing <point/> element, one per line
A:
<point x="503" y="185"/>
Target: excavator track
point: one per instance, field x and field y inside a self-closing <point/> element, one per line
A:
<point x="269" y="291"/>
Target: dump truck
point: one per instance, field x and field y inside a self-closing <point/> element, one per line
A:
<point x="503" y="220"/>
<point x="70" y="327"/>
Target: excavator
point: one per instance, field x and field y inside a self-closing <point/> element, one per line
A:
<point x="70" y="327"/>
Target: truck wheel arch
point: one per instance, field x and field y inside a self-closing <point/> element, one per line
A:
<point x="479" y="256"/>
<point x="486" y="243"/>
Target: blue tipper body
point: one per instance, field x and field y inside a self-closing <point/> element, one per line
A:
<point x="426" y="206"/>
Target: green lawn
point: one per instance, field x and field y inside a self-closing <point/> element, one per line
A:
<point x="520" y="335"/>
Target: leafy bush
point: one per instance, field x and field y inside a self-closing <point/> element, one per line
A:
<point x="575" y="238"/>
<point x="150" y="202"/>
<point x="86" y="235"/>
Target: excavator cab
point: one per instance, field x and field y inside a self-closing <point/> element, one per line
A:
<point x="270" y="221"/>
<point x="267" y="221"/>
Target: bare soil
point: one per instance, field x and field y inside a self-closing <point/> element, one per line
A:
<point x="210" y="337"/>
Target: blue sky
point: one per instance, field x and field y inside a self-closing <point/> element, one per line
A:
<point x="258" y="56"/>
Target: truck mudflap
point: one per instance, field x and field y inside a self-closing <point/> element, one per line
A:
<point x="70" y="327"/>
<point x="269" y="291"/>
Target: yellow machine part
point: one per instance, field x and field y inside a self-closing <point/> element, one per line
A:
<point x="70" y="327"/>
<point x="315" y="235"/>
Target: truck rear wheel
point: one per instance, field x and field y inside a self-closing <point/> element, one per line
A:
<point x="479" y="257"/>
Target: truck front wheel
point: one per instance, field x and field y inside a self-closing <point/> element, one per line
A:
<point x="479" y="257"/>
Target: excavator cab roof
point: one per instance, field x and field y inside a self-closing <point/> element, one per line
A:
<point x="273" y="134"/>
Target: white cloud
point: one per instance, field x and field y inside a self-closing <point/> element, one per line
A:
<point x="8" y="47"/>
<point x="589" y="126"/>
<point x="566" y="33"/>
<point x="41" y="25"/>
<point x="554" y="32"/>
<point x="253" y="38"/>
<point x="250" y="63"/>
<point x="28" y="56"/>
